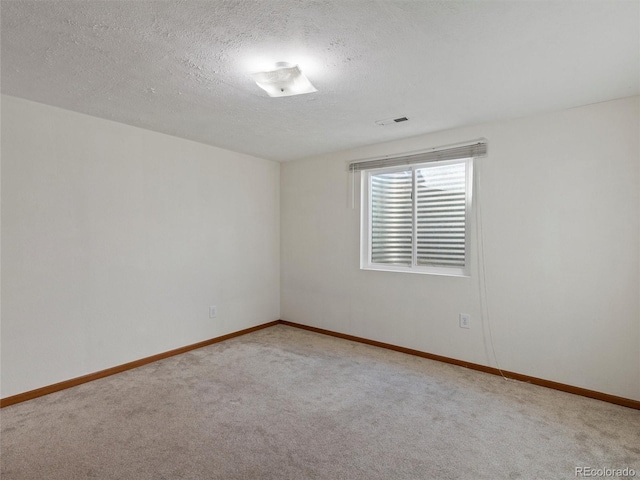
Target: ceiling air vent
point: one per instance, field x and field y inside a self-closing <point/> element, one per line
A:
<point x="391" y="121"/>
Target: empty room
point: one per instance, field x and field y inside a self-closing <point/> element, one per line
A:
<point x="320" y="239"/>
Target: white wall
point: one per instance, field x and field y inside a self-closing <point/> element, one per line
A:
<point x="561" y="220"/>
<point x="115" y="240"/>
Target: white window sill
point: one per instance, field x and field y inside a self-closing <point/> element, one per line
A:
<point x="447" y="272"/>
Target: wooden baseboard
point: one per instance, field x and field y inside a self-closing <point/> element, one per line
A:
<point x="605" y="397"/>
<point x="39" y="392"/>
<point x="56" y="387"/>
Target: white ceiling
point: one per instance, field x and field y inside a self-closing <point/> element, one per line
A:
<point x="182" y="66"/>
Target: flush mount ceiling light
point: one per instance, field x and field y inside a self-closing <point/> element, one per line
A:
<point x="284" y="81"/>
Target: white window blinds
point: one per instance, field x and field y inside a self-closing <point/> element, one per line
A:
<point x="474" y="149"/>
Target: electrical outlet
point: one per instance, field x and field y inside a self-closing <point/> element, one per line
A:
<point x="465" y="320"/>
<point x="213" y="311"/>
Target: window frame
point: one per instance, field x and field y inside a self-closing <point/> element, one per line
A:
<point x="366" y="220"/>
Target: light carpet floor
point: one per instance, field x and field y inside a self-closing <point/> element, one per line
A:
<point x="284" y="403"/>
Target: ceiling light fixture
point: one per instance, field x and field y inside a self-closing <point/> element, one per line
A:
<point x="284" y="81"/>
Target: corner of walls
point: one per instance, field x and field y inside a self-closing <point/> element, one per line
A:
<point x="116" y="240"/>
<point x="561" y="255"/>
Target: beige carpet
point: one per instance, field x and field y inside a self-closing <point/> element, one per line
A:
<point x="284" y="403"/>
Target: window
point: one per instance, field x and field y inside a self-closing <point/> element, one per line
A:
<point x="415" y="217"/>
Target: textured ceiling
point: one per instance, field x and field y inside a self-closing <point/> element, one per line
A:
<point x="182" y="67"/>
